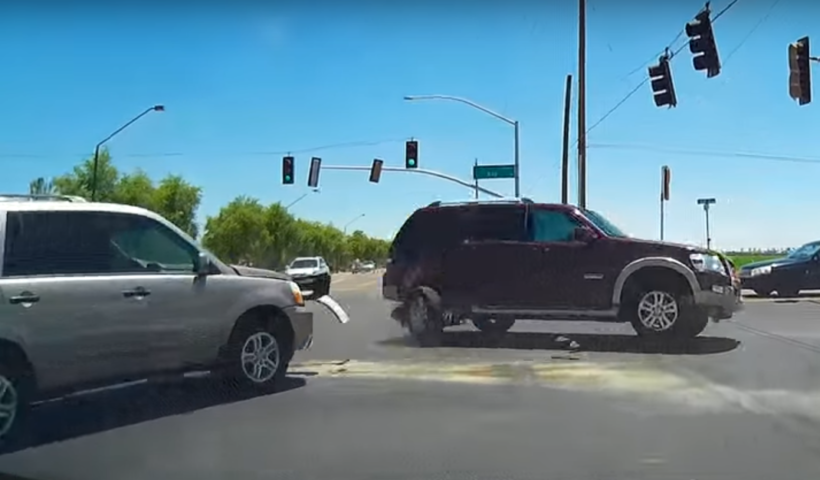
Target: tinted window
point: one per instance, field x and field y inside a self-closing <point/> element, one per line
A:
<point x="64" y="243"/>
<point x="551" y="226"/>
<point x="499" y="223"/>
<point x="426" y="230"/>
<point x="54" y="243"/>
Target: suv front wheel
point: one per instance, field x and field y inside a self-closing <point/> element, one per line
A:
<point x="493" y="325"/>
<point x="662" y="313"/>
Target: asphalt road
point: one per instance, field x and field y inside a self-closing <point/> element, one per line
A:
<point x="548" y="401"/>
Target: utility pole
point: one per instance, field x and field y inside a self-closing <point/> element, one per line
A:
<point x="582" y="104"/>
<point x="706" y="202"/>
<point x="565" y="143"/>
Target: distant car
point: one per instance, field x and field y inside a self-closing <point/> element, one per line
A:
<point x="310" y="273"/>
<point x="364" y="267"/>
<point x="799" y="270"/>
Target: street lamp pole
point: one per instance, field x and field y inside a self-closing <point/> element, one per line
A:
<point x="706" y="202"/>
<point x="315" y="190"/>
<point x="155" y="108"/>
<point x="492" y="113"/>
<point x="344" y="229"/>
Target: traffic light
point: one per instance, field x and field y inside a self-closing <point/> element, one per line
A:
<point x="666" y="178"/>
<point x="800" y="71"/>
<point x="287" y="170"/>
<point x="702" y="44"/>
<point x="313" y="175"/>
<point x="376" y="170"/>
<point x="663" y="90"/>
<point x="411" y="154"/>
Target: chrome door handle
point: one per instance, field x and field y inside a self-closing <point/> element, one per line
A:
<point x="137" y="292"/>
<point x="25" y="297"/>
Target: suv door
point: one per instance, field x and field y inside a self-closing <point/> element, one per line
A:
<point x="572" y="273"/>
<point x="183" y="312"/>
<point x="491" y="265"/>
<point x="57" y="292"/>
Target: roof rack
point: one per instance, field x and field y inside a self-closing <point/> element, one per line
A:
<point x="495" y="201"/>
<point x="19" y="197"/>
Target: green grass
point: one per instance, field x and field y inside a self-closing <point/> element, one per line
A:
<point x="741" y="259"/>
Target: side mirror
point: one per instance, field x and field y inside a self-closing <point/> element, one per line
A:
<point x="585" y="235"/>
<point x="203" y="264"/>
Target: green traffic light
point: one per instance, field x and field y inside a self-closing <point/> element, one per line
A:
<point x="287" y="178"/>
<point x="411" y="162"/>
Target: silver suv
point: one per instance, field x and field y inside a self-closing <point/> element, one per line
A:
<point x="97" y="294"/>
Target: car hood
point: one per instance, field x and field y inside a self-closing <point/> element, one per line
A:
<point x="260" y="273"/>
<point x="655" y="247"/>
<point x="772" y="263"/>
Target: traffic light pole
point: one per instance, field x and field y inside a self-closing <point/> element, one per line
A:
<point x="422" y="171"/>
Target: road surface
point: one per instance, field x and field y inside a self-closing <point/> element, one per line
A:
<point x="548" y="401"/>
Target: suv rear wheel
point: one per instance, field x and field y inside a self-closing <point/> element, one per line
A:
<point x="665" y="313"/>
<point x="424" y="319"/>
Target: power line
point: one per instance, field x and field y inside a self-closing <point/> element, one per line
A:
<point x="239" y="154"/>
<point x="752" y="30"/>
<point x="646" y="79"/>
<point x="708" y="153"/>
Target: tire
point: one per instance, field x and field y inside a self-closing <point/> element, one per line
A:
<point x="786" y="292"/>
<point x="663" y="313"/>
<point x="762" y="293"/>
<point x="424" y="320"/>
<point x="323" y="286"/>
<point x="492" y="325"/>
<point x="15" y="396"/>
<point x="258" y="353"/>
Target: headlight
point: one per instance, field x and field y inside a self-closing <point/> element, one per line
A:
<point x="707" y="263"/>
<point x="761" y="271"/>
<point x="298" y="299"/>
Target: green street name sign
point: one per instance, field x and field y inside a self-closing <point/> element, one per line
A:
<point x="484" y="172"/>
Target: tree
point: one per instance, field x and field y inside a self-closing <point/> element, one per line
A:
<point x="243" y="231"/>
<point x="269" y="237"/>
<point x="173" y="198"/>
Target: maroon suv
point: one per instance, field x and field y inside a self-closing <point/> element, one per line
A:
<point x="493" y="262"/>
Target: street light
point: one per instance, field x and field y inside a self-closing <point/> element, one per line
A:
<point x="486" y="110"/>
<point x="315" y="190"/>
<point x="344" y="230"/>
<point x="706" y="202"/>
<point x="155" y="108"/>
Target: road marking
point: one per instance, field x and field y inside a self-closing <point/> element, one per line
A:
<point x="644" y="386"/>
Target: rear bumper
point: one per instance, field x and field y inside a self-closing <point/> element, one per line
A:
<point x="302" y="322"/>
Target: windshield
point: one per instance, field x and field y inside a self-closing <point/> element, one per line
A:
<point x="601" y="222"/>
<point x="806" y="251"/>
<point x="304" y="263"/>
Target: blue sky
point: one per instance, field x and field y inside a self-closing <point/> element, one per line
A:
<point x="244" y="83"/>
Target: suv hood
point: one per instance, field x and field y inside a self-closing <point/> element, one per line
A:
<point x="259" y="272"/>
<point x="658" y="246"/>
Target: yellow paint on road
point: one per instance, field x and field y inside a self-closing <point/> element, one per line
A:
<point x="642" y="386"/>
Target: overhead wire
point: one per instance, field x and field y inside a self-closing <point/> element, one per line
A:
<point x="237" y="154"/>
<point x="708" y="153"/>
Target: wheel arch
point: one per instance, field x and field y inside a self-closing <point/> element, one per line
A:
<point x="261" y="314"/>
<point x="662" y="262"/>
